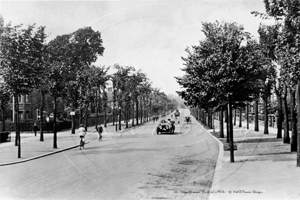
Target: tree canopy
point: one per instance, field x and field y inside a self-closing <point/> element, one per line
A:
<point x="219" y="67"/>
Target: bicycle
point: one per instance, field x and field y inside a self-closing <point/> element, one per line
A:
<point x="81" y="143"/>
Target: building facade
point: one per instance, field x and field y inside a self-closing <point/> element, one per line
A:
<point x="26" y="111"/>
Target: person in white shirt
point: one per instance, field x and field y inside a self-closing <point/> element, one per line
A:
<point x="82" y="134"/>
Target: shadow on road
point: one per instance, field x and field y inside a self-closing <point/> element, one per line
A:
<point x="258" y="140"/>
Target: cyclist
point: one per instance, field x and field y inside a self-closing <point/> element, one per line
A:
<point x="82" y="134"/>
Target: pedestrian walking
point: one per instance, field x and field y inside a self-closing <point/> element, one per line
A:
<point x="82" y="134"/>
<point x="34" y="128"/>
<point x="99" y="129"/>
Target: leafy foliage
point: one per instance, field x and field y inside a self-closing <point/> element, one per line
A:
<point x="220" y="67"/>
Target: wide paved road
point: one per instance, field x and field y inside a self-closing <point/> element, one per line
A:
<point x="137" y="165"/>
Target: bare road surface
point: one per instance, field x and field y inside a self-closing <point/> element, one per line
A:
<point x="138" y="164"/>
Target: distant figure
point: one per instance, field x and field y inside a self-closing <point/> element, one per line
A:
<point x="34" y="128"/>
<point x="99" y="129"/>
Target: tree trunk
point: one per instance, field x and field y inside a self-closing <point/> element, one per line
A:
<point x="126" y="115"/>
<point x="211" y="120"/>
<point x="73" y="119"/>
<point x="120" y="113"/>
<point x="3" y="116"/>
<point x="96" y="109"/>
<point x="221" y="120"/>
<point x="247" y="113"/>
<point x="231" y="144"/>
<point x="150" y="110"/>
<point x="105" y="109"/>
<point x="298" y="123"/>
<point x="293" y="120"/>
<point x="279" y="115"/>
<point x="141" y="104"/>
<point x="16" y="108"/>
<point x="234" y="122"/>
<point x="227" y="126"/>
<point x="137" y="110"/>
<point x="241" y="117"/>
<point x="116" y="118"/>
<point x="81" y="115"/>
<point x="114" y="114"/>
<point x="286" y="137"/>
<point x="204" y="118"/>
<point x="256" y="125"/>
<point x="132" y="113"/>
<point x="17" y="123"/>
<point x="266" y="121"/>
<point x="42" y="118"/>
<point x="208" y="120"/>
<point x="86" y="117"/>
<point x="54" y="124"/>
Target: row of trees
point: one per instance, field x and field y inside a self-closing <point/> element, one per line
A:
<point x="63" y="70"/>
<point x="229" y="69"/>
<point x="135" y="97"/>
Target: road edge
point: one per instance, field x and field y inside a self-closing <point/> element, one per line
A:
<point x="41" y="156"/>
<point x="217" y="173"/>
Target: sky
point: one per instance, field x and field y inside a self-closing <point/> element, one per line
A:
<point x="150" y="35"/>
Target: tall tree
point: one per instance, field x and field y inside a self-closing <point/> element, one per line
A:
<point x="120" y="77"/>
<point x="287" y="12"/>
<point x="77" y="51"/>
<point x="220" y="71"/>
<point x="41" y="55"/>
<point x="268" y="37"/>
<point x="20" y="64"/>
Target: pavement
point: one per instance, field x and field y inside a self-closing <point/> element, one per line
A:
<point x="263" y="167"/>
<point x="32" y="148"/>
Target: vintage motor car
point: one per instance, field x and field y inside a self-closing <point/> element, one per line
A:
<point x="165" y="126"/>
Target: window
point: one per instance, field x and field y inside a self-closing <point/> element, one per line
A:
<point x="27" y="115"/>
<point x="21" y="115"/>
<point x="26" y="98"/>
<point x="20" y="98"/>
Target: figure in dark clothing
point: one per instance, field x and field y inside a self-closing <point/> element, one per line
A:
<point x="34" y="128"/>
